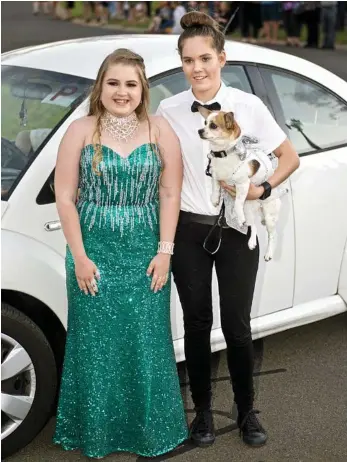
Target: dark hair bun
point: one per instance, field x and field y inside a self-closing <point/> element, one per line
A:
<point x="197" y="19"/>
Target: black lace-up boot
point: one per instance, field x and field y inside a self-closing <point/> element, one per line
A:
<point x="202" y="428"/>
<point x="251" y="430"/>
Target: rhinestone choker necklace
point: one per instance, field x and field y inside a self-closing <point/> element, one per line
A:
<point x="120" y="128"/>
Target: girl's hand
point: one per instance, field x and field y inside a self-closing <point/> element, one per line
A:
<point x="254" y="192"/>
<point x="159" y="267"/>
<point x="86" y="275"/>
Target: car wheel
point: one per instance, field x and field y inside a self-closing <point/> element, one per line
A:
<point x="28" y="380"/>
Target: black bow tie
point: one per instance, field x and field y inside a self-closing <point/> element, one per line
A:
<point x="211" y="107"/>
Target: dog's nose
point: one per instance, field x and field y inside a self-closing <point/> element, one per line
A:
<point x="201" y="132"/>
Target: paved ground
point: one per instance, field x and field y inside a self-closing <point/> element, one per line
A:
<point x="19" y="28"/>
<point x="301" y="375"/>
<point x="301" y="383"/>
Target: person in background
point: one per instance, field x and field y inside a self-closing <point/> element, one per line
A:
<point x="148" y="6"/>
<point x="203" y="7"/>
<point x="37" y="7"/>
<point x="166" y="15"/>
<point x="139" y="12"/>
<point x="102" y="12"/>
<point x="178" y="13"/>
<point x="99" y="9"/>
<point x="212" y="8"/>
<point x="222" y="14"/>
<point x="271" y="20"/>
<point x="329" y="19"/>
<point x="341" y="15"/>
<point x="311" y="16"/>
<point x="251" y="18"/>
<point x="192" y="6"/>
<point x="69" y="6"/>
<point x="291" y="23"/>
<point x="60" y="10"/>
<point x="154" y="26"/>
<point x="112" y="8"/>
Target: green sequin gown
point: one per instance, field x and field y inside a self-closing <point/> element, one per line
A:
<point x="119" y="389"/>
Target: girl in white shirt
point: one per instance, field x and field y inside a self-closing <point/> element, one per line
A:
<point x="201" y="47"/>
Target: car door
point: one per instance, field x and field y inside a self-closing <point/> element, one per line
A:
<point x="316" y="122"/>
<point x="38" y="106"/>
<point x="277" y="274"/>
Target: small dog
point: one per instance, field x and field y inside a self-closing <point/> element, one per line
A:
<point x="227" y="164"/>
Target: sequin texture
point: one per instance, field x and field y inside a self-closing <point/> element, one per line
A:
<point x="119" y="389"/>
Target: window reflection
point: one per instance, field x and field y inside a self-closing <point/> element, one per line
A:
<point x="316" y="119"/>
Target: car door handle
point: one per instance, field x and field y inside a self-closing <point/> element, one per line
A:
<point x="52" y="225"/>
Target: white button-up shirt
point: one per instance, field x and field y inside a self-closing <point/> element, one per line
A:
<point x="251" y="114"/>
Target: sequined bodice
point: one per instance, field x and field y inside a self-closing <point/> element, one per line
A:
<point x="127" y="187"/>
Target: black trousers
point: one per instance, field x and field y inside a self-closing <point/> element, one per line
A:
<point x="236" y="268"/>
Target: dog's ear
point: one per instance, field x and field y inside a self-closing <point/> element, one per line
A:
<point x="204" y="112"/>
<point x="229" y="120"/>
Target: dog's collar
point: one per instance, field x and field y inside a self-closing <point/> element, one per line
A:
<point x="219" y="154"/>
<point x="239" y="146"/>
<point x="231" y="148"/>
<point x="224" y="152"/>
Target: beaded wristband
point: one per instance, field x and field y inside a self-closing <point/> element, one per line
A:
<point x="166" y="247"/>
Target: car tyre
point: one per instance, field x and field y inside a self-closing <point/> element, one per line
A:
<point x="41" y="382"/>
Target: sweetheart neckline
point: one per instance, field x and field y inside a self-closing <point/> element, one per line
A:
<point x="117" y="153"/>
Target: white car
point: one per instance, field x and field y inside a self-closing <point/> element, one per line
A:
<point x="44" y="88"/>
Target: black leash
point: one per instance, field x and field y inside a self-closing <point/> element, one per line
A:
<point x="220" y="222"/>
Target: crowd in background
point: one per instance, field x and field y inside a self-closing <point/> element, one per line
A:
<point x="255" y="19"/>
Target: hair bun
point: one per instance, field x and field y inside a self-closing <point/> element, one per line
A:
<point x="197" y="19"/>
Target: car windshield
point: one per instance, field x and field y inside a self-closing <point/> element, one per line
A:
<point x="34" y="103"/>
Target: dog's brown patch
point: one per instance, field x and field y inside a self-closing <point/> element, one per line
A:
<point x="254" y="166"/>
<point x="227" y="122"/>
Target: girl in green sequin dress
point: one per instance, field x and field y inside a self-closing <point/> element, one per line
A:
<point x="120" y="389"/>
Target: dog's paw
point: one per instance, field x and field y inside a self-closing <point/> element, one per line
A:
<point x="252" y="244"/>
<point x="241" y="222"/>
<point x="268" y="256"/>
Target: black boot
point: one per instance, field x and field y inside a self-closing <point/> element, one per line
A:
<point x="202" y="428"/>
<point x="251" y="430"/>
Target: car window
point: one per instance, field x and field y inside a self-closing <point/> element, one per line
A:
<point x="316" y="119"/>
<point x="235" y="76"/>
<point x="171" y="84"/>
<point x="34" y="103"/>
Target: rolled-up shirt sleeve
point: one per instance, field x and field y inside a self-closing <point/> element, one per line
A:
<point x="265" y="128"/>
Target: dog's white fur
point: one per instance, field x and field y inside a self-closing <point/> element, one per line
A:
<point x="237" y="172"/>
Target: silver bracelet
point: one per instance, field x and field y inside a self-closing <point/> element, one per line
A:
<point x="166" y="247"/>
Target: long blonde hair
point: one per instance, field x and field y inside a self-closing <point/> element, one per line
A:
<point x="96" y="108"/>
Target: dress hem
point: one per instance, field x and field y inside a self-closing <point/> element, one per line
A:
<point x="71" y="447"/>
